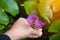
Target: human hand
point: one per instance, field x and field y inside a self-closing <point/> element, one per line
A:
<point x="21" y="29"/>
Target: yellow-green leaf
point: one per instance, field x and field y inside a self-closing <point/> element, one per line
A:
<point x="45" y="11"/>
<point x="29" y="6"/>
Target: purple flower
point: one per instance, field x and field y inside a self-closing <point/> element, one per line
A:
<point x="39" y="24"/>
<point x="31" y="19"/>
<point x="34" y="21"/>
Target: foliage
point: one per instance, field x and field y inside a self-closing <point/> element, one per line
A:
<point x="3" y="18"/>
<point x="39" y="8"/>
<point x="55" y="27"/>
<point x="7" y="7"/>
<point x="55" y="37"/>
<point x="43" y="9"/>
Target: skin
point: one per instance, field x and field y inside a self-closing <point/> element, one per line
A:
<point x="21" y="29"/>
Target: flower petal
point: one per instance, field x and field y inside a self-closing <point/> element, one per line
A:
<point x="31" y="19"/>
<point x="39" y="24"/>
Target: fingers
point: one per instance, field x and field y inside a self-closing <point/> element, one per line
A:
<point x="40" y="29"/>
<point x="40" y="34"/>
<point x="37" y="32"/>
<point x="33" y="36"/>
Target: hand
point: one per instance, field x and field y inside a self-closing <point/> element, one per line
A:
<point x="21" y="29"/>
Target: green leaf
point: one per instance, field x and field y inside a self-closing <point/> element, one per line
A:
<point x="1" y="27"/>
<point x="45" y="11"/>
<point x="9" y="26"/>
<point x="55" y="37"/>
<point x="1" y="32"/>
<point x="9" y="6"/>
<point x="55" y="26"/>
<point x="3" y="18"/>
<point x="29" y="6"/>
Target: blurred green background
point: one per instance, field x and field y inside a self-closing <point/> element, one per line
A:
<point x="11" y="10"/>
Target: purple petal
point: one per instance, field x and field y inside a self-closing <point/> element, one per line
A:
<point x="39" y="24"/>
<point x="31" y="19"/>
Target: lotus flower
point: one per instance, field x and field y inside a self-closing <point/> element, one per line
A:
<point x="39" y="24"/>
<point x="33" y="20"/>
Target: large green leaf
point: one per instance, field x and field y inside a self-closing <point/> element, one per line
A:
<point x="9" y="6"/>
<point x="1" y="27"/>
<point x="45" y="11"/>
<point x="3" y="18"/>
<point x="55" y="26"/>
<point x="55" y="37"/>
<point x="29" y="6"/>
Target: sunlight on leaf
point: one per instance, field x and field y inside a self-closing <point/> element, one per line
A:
<point x="44" y="10"/>
<point x="56" y="5"/>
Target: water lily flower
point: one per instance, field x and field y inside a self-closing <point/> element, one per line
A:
<point x="31" y="19"/>
<point x="34" y="21"/>
<point x="39" y="24"/>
